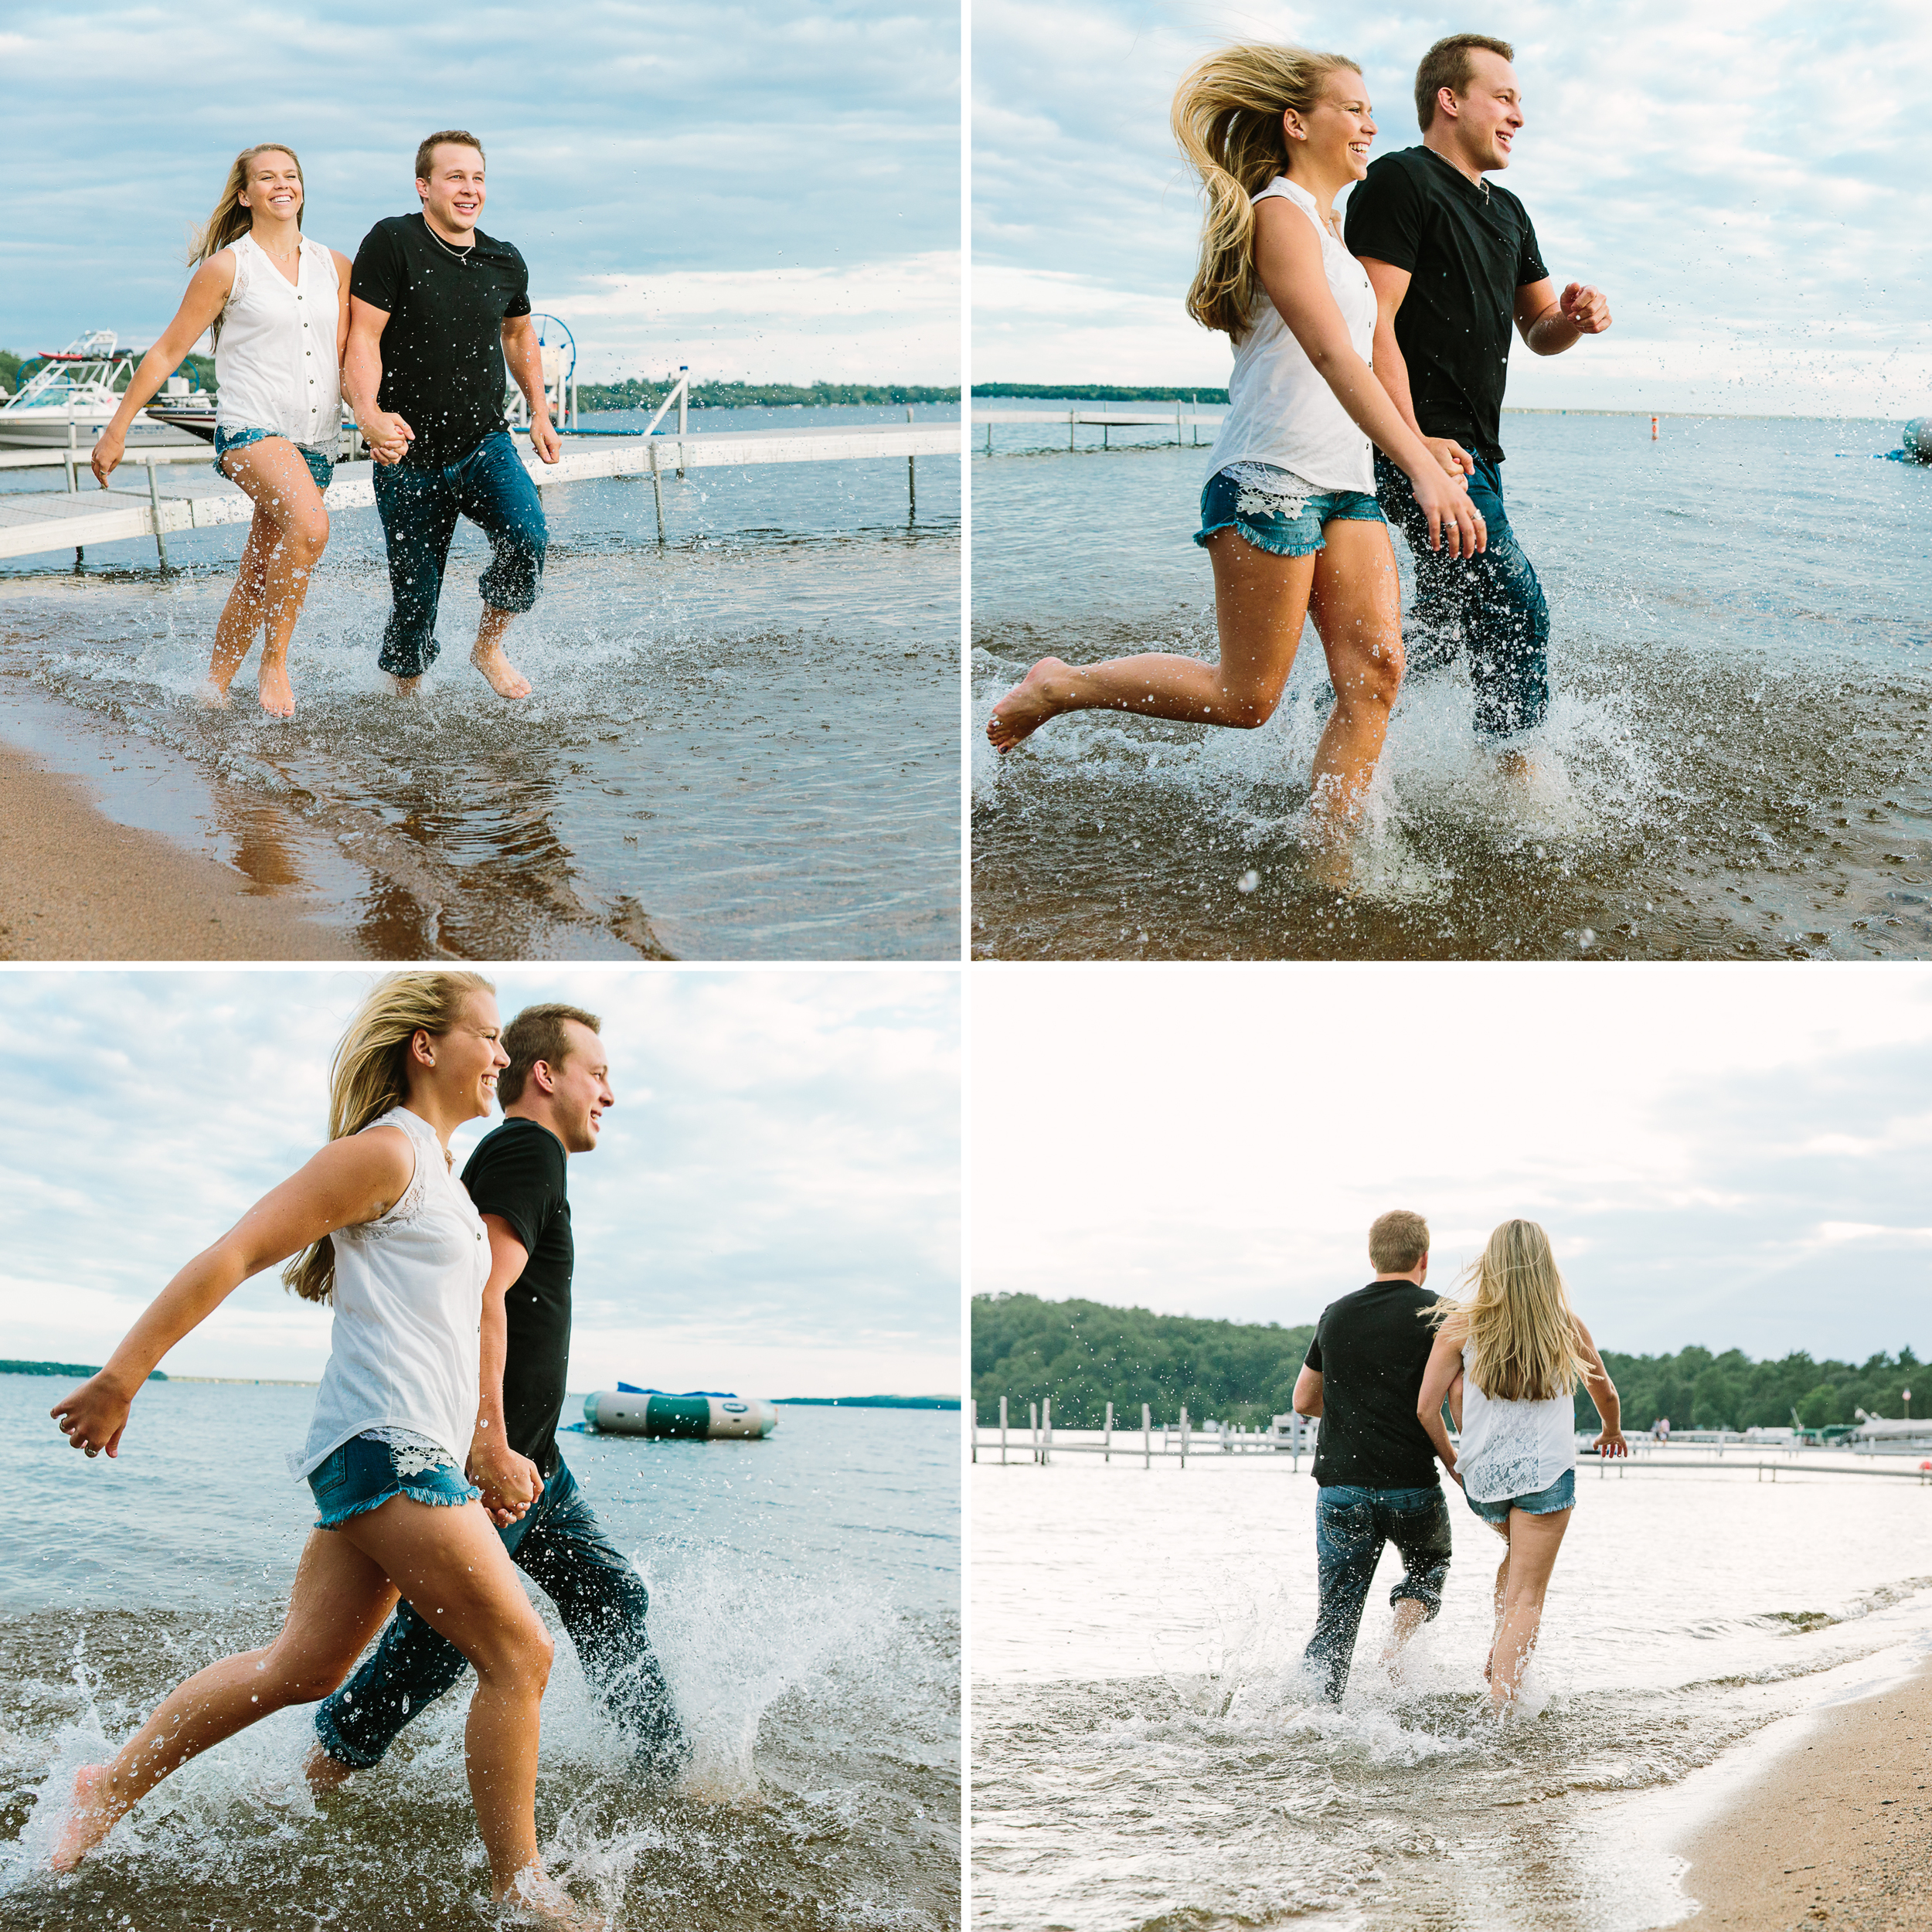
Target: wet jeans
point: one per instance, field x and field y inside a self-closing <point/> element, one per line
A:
<point x="418" y="508"/>
<point x="1489" y="606"/>
<point x="1351" y="1525"/>
<point x="561" y="1546"/>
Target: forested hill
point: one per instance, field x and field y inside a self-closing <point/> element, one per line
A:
<point x="1085" y="1355"/>
<point x="635" y="394"/>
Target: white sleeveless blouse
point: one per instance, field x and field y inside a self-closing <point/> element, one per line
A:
<point x="275" y="366"/>
<point x="404" y="1347"/>
<point x="1511" y="1448"/>
<point x="1280" y="412"/>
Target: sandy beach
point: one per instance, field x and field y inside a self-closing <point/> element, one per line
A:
<point x="75" y="885"/>
<point x="1837" y="1833"/>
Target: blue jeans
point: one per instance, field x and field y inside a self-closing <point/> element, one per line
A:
<point x="1351" y="1525"/>
<point x="561" y="1546"/>
<point x="418" y="507"/>
<point x="1489" y="605"/>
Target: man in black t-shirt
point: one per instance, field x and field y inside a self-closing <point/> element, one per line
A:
<point x="436" y="308"/>
<point x="1454" y="262"/>
<point x="554" y="1092"/>
<point x="1374" y="1461"/>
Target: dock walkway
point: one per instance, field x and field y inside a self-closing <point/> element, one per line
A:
<point x="159" y="490"/>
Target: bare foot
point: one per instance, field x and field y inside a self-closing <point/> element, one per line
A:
<point x="404" y="687"/>
<point x="88" y="1820"/>
<point x="1042" y="694"/>
<point x="325" y="1774"/>
<point x="1516" y="767"/>
<point x="505" y="680"/>
<point x="537" y="1898"/>
<point x="211" y="695"/>
<point x="277" y="695"/>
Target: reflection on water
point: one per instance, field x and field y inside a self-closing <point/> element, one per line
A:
<point x="742" y="743"/>
<point x="1733" y="766"/>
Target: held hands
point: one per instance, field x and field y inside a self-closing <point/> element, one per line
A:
<point x="544" y="439"/>
<point x="93" y="1415"/>
<point x="510" y="1483"/>
<point x="387" y="435"/>
<point x="110" y="447"/>
<point x="1455" y="459"/>
<point x="1611" y="1442"/>
<point x="1586" y="310"/>
<point x="1453" y="521"/>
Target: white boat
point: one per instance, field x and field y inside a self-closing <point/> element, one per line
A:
<point x="73" y="394"/>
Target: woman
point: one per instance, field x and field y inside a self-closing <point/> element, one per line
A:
<point x="381" y="1228"/>
<point x="278" y="307"/>
<point x="1518" y="1349"/>
<point x="1288" y="517"/>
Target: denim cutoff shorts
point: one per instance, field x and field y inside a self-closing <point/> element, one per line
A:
<point x="1560" y="1496"/>
<point x="365" y="1471"/>
<point x="321" y="466"/>
<point x="1280" y="514"/>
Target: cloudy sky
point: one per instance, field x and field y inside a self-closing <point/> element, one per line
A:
<point x="765" y="189"/>
<point x="1732" y="1155"/>
<point x="1750" y="183"/>
<point x="772" y="1207"/>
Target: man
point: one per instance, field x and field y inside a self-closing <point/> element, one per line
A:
<point x="1453" y="260"/>
<point x="1374" y="1463"/>
<point x="436" y="309"/>
<point x="555" y="1092"/>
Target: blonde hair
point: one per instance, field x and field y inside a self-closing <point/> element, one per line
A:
<point x="230" y="218"/>
<point x="1519" y="1319"/>
<point x="1227" y="118"/>
<point x="369" y="1075"/>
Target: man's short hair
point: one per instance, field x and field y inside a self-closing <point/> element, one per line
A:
<point x="1397" y="1243"/>
<point x="539" y="1033"/>
<point x="425" y="153"/>
<point x="1446" y="64"/>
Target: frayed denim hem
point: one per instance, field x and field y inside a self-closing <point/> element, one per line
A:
<point x="1274" y="545"/>
<point x="435" y="1498"/>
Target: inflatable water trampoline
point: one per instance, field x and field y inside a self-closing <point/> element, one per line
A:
<point x="699" y="1414"/>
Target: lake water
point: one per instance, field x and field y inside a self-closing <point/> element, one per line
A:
<point x="1734" y="767"/>
<point x="743" y="744"/>
<point x="1146" y="1755"/>
<point x="805" y="1603"/>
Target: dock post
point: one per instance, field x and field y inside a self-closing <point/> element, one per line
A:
<point x="1147" y="1436"/>
<point x="1002" y="1432"/>
<point x="1107" y="433"/>
<point x="684" y="417"/>
<point x="1032" y="1426"/>
<point x="1179" y="426"/>
<point x="1106" y="1445"/>
<point x="1183" y="1435"/>
<point x="989" y="439"/>
<point x="912" y="487"/>
<point x="1073" y="417"/>
<point x="657" y="489"/>
<point x="154" y="504"/>
<point x="1046" y="1429"/>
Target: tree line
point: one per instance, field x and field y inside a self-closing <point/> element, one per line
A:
<point x="635" y="392"/>
<point x="1098" y="392"/>
<point x="1084" y="1355"/>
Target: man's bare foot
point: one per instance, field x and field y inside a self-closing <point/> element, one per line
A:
<point x="325" y="1774"/>
<point x="538" y="1900"/>
<point x="404" y="687"/>
<point x="211" y="695"/>
<point x="1516" y="766"/>
<point x="277" y="694"/>
<point x="1042" y="694"/>
<point x="88" y="1820"/>
<point x="505" y="680"/>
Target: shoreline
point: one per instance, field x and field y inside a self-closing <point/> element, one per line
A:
<point x="75" y="883"/>
<point x="1837" y="1832"/>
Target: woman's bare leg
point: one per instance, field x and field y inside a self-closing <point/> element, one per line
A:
<point x="339" y="1601"/>
<point x="1260" y="602"/>
<point x="1356" y="603"/>
<point x="286" y="539"/>
<point x="1502" y="1599"/>
<point x="1533" y="1543"/>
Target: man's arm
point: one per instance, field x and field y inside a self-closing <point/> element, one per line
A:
<point x="1390" y="284"/>
<point x="524" y="356"/>
<point x="1550" y="323"/>
<point x="510" y="1483"/>
<point x="388" y="436"/>
<point x="1308" y="1392"/>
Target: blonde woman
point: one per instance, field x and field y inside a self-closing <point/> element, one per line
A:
<point x="381" y="1229"/>
<point x="277" y="306"/>
<point x="1288" y="516"/>
<point x="1508" y="1361"/>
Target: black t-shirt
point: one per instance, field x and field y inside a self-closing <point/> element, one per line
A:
<point x="443" y="345"/>
<point x="1467" y="250"/>
<point x="1370" y="1349"/>
<point x="518" y="1172"/>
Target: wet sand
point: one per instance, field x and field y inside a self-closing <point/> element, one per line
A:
<point x="1837" y="1833"/>
<point x="76" y="885"/>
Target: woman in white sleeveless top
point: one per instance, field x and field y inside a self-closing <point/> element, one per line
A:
<point x="1508" y="1361"/>
<point x="379" y="1225"/>
<point x="1289" y="518"/>
<point x="278" y="307"/>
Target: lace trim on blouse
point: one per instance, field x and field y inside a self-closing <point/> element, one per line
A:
<point x="415" y="1455"/>
<point x="1267" y="490"/>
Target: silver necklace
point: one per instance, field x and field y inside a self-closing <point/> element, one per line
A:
<point x="461" y="254"/>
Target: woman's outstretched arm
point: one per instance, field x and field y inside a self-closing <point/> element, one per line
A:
<point x="1444" y="1368"/>
<point x="351" y="1180"/>
<point x="207" y="295"/>
<point x="1287" y="258"/>
<point x="1603" y="1392"/>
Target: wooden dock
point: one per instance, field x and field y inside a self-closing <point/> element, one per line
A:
<point x="1184" y="419"/>
<point x="159" y="490"/>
